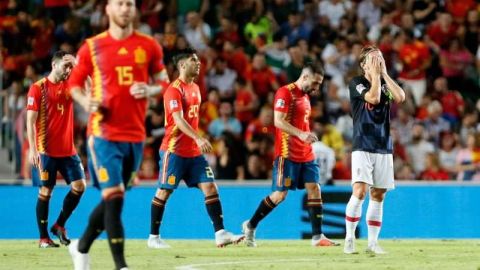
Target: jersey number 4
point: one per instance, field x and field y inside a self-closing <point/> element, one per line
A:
<point x="125" y="75"/>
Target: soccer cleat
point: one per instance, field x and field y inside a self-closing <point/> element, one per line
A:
<point x="375" y="248"/>
<point x="224" y="238"/>
<point x="154" y="241"/>
<point x="47" y="243"/>
<point x="249" y="234"/>
<point x="349" y="247"/>
<point x="322" y="241"/>
<point x="61" y="233"/>
<point x="80" y="261"/>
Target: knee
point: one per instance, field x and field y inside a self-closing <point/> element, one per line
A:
<point x="360" y="193"/>
<point x="377" y="195"/>
<point x="79" y="186"/>
<point x="313" y="191"/>
<point x="45" y="191"/>
<point x="210" y="189"/>
<point x="278" y="197"/>
<point x="163" y="194"/>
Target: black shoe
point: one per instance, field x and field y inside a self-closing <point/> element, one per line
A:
<point x="47" y="243"/>
<point x="61" y="233"/>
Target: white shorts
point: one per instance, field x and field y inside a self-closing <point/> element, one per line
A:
<point x="372" y="168"/>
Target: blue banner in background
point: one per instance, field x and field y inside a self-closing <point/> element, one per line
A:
<point x="409" y="212"/>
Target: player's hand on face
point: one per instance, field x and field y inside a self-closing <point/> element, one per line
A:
<point x="383" y="65"/>
<point x="204" y="145"/>
<point x="69" y="59"/>
<point x="34" y="157"/>
<point x="139" y="90"/>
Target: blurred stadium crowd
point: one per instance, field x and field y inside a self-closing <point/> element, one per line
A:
<point x="251" y="47"/>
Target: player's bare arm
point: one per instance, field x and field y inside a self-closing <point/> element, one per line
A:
<point x="183" y="125"/>
<point x="280" y="121"/>
<point x="86" y="101"/>
<point x="141" y="90"/>
<point x="33" y="156"/>
<point x="373" y="70"/>
<point x="395" y="89"/>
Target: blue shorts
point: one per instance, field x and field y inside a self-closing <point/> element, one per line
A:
<point x="69" y="167"/>
<point x="174" y="168"/>
<point x="292" y="175"/>
<point x="113" y="163"/>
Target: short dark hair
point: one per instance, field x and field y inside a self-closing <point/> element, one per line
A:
<point x="182" y="54"/>
<point x="315" y="67"/>
<point x="58" y="55"/>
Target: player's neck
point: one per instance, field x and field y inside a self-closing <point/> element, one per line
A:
<point x="119" y="33"/>
<point x="52" y="78"/>
<point x="186" y="79"/>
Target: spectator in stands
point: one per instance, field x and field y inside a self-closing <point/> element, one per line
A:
<point x="263" y="125"/>
<point x="435" y="124"/>
<point x="447" y="154"/>
<point x="277" y="55"/>
<point x="405" y="172"/>
<point x="403" y="124"/>
<point x="369" y="11"/>
<point x="415" y="59"/>
<point x="440" y="32"/>
<point x="468" y="159"/>
<point x="155" y="129"/>
<point x="236" y="58"/>
<point x="418" y="148"/>
<point x="433" y="170"/>
<point x="246" y="102"/>
<point x="209" y="109"/>
<point x="452" y="102"/>
<point x="261" y="77"/>
<point x="197" y="32"/>
<point x="344" y="122"/>
<point x="294" y="29"/>
<point x="225" y="122"/>
<point x="469" y="125"/>
<point x="228" y="31"/>
<point x="222" y="78"/>
<point x="455" y="59"/>
<point x="229" y="164"/>
<point x="334" y="10"/>
<point x="329" y="135"/>
<point x="256" y="167"/>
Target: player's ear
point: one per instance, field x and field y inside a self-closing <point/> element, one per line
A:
<point x="107" y="8"/>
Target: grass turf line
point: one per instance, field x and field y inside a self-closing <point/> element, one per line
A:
<point x="280" y="254"/>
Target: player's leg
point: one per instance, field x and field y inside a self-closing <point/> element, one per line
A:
<point x="45" y="175"/>
<point x="171" y="169"/>
<point x="199" y="174"/>
<point x="283" y="172"/>
<point x="113" y="198"/>
<point x="362" y="170"/>
<point x="72" y="171"/>
<point x="156" y="216"/>
<point x="374" y="218"/>
<point x="383" y="180"/>
<point x="309" y="178"/>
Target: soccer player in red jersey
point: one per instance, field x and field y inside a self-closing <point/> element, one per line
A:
<point x="120" y="63"/>
<point x="181" y="152"/>
<point x="294" y="166"/>
<point x="50" y="135"/>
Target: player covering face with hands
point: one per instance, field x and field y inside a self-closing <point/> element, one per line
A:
<point x="50" y="136"/>
<point x="371" y="95"/>
<point x="294" y="166"/>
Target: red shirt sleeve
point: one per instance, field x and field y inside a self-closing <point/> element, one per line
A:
<point x="83" y="68"/>
<point x="172" y="100"/>
<point x="282" y="100"/>
<point x="33" y="98"/>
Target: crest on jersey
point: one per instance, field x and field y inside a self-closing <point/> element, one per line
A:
<point x="171" y="180"/>
<point x="140" y="56"/>
<point x="173" y="104"/>
<point x="280" y="103"/>
<point x="43" y="175"/>
<point x="30" y="101"/>
<point x="360" y="88"/>
<point x="103" y="175"/>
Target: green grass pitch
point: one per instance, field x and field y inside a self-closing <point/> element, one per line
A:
<point x="280" y="254"/>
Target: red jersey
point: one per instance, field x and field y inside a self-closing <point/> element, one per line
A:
<point x="114" y="65"/>
<point x="180" y="96"/>
<point x="262" y="80"/>
<point x="54" y="125"/>
<point x="293" y="101"/>
<point x="412" y="56"/>
<point x="256" y="127"/>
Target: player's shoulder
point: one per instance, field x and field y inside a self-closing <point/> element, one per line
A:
<point x="358" y="83"/>
<point x="146" y="40"/>
<point x="40" y="83"/>
<point x="143" y="36"/>
<point x="285" y="89"/>
<point x="175" y="86"/>
<point x="100" y="36"/>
